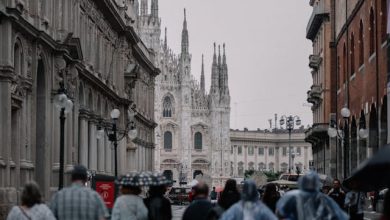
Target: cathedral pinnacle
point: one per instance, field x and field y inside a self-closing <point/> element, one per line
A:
<point x="165" y="39"/>
<point x="224" y="55"/>
<point x="202" y="80"/>
<point x="219" y="55"/>
<point x="184" y="36"/>
<point x="154" y="8"/>
<point x="144" y="7"/>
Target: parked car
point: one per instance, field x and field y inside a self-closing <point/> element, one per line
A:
<point x="179" y="195"/>
<point x="290" y="177"/>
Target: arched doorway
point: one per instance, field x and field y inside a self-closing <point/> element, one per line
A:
<point x="196" y="173"/>
<point x="168" y="174"/>
<point x="383" y="121"/>
<point x="40" y="129"/>
<point x="373" y="129"/>
<point x="354" y="146"/>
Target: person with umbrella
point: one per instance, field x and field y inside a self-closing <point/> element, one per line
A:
<point x="159" y="207"/>
<point x="130" y="205"/>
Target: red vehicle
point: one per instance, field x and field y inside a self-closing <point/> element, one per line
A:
<point x="179" y="195"/>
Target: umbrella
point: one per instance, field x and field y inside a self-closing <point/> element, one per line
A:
<point x="136" y="179"/>
<point x="218" y="189"/>
<point x="373" y="174"/>
<point x="194" y="183"/>
<point x="159" y="179"/>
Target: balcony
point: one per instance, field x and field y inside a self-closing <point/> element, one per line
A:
<point x="319" y="14"/>
<point x="315" y="61"/>
<point x="317" y="133"/>
<point x="314" y="96"/>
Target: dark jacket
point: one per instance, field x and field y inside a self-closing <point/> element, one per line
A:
<point x="338" y="196"/>
<point x="228" y="199"/>
<point x="271" y="201"/>
<point x="198" y="210"/>
<point x="159" y="208"/>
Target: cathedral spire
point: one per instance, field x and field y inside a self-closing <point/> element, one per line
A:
<point x="219" y="55"/>
<point x="215" y="54"/>
<point x="202" y="80"/>
<point x="165" y="39"/>
<point x="224" y="55"/>
<point x="184" y="37"/>
<point x="154" y="8"/>
<point x="144" y="7"/>
<point x="214" y="74"/>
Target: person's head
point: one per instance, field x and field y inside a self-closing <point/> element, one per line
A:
<point x="157" y="190"/>
<point x="310" y="182"/>
<point x="130" y="190"/>
<point x="270" y="188"/>
<point x="79" y="174"/>
<point x="336" y="184"/>
<point x="201" y="190"/>
<point x="213" y="188"/>
<point x="230" y="186"/>
<point x="31" y="195"/>
<point x="249" y="192"/>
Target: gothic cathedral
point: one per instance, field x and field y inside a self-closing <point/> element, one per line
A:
<point x="193" y="132"/>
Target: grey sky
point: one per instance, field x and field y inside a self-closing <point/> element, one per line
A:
<point x="267" y="52"/>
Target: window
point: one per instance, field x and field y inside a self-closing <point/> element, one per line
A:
<point x="168" y="140"/>
<point x="371" y="29"/>
<point x="231" y="150"/>
<point x="384" y="20"/>
<point x="283" y="167"/>
<point x="198" y="141"/>
<point x="299" y="151"/>
<point x="271" y="151"/>
<point x="271" y="166"/>
<point x="284" y="152"/>
<point x="250" y="150"/>
<point x="352" y="53"/>
<point x="240" y="169"/>
<point x="167" y="107"/>
<point x="239" y="150"/>
<point x="251" y="166"/>
<point x="261" y="166"/>
<point x="18" y="59"/>
<point x="361" y="44"/>
<point x="261" y="150"/>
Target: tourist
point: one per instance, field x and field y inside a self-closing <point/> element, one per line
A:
<point x="213" y="194"/>
<point x="129" y="205"/>
<point x="229" y="195"/>
<point x="308" y="203"/>
<point x="78" y="201"/>
<point x="337" y="194"/>
<point x="31" y="207"/>
<point x="159" y="207"/>
<point x="271" y="196"/>
<point x="200" y="206"/>
<point x="354" y="204"/>
<point x="250" y="207"/>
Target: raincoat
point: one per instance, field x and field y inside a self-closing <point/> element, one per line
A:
<point x="308" y="202"/>
<point x="250" y="207"/>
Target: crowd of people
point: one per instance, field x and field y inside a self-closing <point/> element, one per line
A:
<point x="309" y="201"/>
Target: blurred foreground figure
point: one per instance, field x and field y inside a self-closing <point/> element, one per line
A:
<point x="308" y="202"/>
<point x="159" y="207"/>
<point x="250" y="207"/>
<point x="386" y="207"/>
<point x="200" y="206"/>
<point x="77" y="201"/>
<point x="229" y="195"/>
<point x="32" y="207"/>
<point x="271" y="196"/>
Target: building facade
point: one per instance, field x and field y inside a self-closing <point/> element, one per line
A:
<point x="192" y="136"/>
<point x="268" y="150"/>
<point x="358" y="79"/>
<point x="92" y="47"/>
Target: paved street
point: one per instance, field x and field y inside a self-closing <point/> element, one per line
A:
<point x="177" y="212"/>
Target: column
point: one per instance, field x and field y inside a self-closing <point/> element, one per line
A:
<point x="306" y="162"/>
<point x="245" y="148"/>
<point x="101" y="156"/>
<point x="83" y="141"/>
<point x="277" y="168"/>
<point x="92" y="149"/>
<point x="108" y="154"/>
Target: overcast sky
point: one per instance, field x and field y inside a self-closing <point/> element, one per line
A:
<point x="267" y="52"/>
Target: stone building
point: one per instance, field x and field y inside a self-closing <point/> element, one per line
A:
<point x="192" y="136"/>
<point x="268" y="150"/>
<point x="320" y="94"/>
<point x="93" y="48"/>
<point x="358" y="79"/>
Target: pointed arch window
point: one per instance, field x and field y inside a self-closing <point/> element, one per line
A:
<point x="384" y="20"/>
<point x="372" y="34"/>
<point x="361" y="44"/>
<point x="352" y="53"/>
<point x="198" y="141"/>
<point x="168" y="140"/>
<point x="167" y="107"/>
<point x="18" y="59"/>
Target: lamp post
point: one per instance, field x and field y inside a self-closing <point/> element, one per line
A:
<point x="344" y="135"/>
<point x="290" y="121"/>
<point x="64" y="105"/>
<point x="131" y="132"/>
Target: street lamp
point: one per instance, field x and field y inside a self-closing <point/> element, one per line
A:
<point x="130" y="131"/>
<point x="333" y="132"/>
<point x="290" y="121"/>
<point x="64" y="105"/>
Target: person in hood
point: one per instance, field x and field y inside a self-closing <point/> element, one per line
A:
<point x="249" y="207"/>
<point x="308" y="202"/>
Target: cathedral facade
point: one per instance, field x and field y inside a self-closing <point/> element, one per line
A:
<point x="193" y="132"/>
